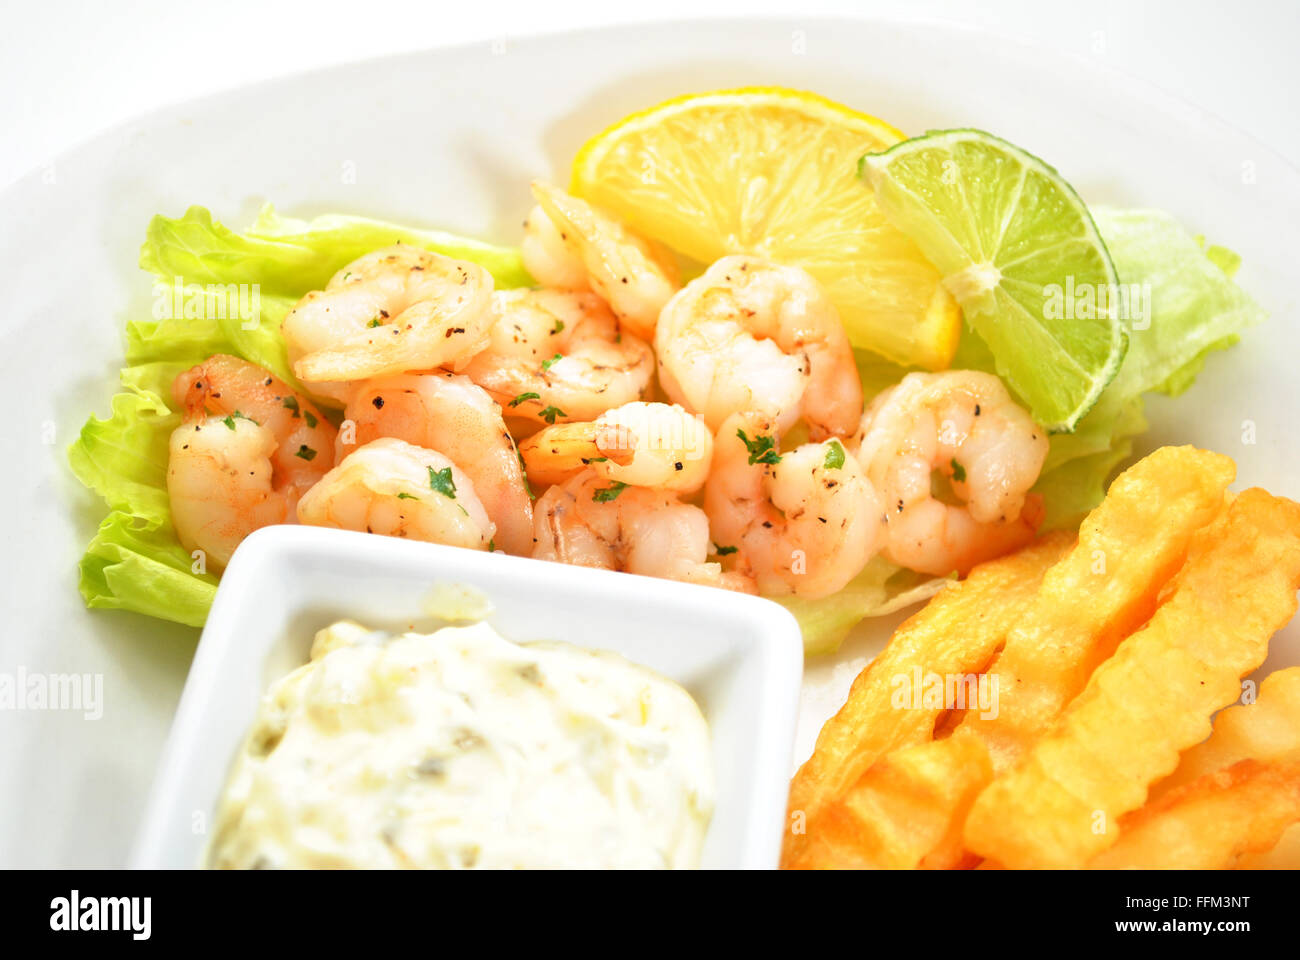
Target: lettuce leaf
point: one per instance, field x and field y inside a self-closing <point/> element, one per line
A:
<point x="880" y="589"/>
<point x="1192" y="309"/>
<point x="135" y="562"/>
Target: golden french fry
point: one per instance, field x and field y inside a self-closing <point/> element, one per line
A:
<point x="1100" y="591"/>
<point x="1210" y="823"/>
<point x="955" y="633"/>
<point x="1129" y="548"/>
<point x="1283" y="855"/>
<point x="1268" y="729"/>
<point x="892" y="817"/>
<point x="1153" y="698"/>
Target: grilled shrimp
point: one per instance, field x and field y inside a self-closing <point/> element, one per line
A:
<point x="593" y="522"/>
<point x="448" y="413"/>
<point x="557" y="356"/>
<point x="642" y="444"/>
<point x="219" y="484"/>
<point x="570" y="244"/>
<point x="804" y="522"/>
<point x="392" y="311"/>
<point x="963" y="426"/>
<point x="248" y="448"/>
<point x="397" y="489"/>
<point x="749" y="335"/>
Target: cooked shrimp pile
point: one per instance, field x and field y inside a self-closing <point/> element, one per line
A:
<point x="609" y="418"/>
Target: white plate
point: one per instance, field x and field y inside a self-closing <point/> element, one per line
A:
<point x="738" y="656"/>
<point x="450" y="138"/>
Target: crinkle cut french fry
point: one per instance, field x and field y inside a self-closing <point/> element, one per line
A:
<point x="1102" y="589"/>
<point x="1129" y="548"/>
<point x="955" y="633"/>
<point x="1283" y="855"/>
<point x="1268" y="729"/>
<point x="1153" y="698"/>
<point x="1210" y="823"/>
<point x="908" y="805"/>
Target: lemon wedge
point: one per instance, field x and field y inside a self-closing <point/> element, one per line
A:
<point x="773" y="172"/>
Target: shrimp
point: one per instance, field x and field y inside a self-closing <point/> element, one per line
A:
<point x="803" y="522"/>
<point x="754" y="336"/>
<point x="549" y="256"/>
<point x="963" y="426"/>
<point x="448" y="413"/>
<point x="642" y="444"/>
<point x="247" y="449"/>
<point x="219" y="484"/>
<point x="227" y="386"/>
<point x="392" y="311"/>
<point x="397" y="489"/>
<point x="591" y="522"/>
<point x="568" y="241"/>
<point x="559" y="356"/>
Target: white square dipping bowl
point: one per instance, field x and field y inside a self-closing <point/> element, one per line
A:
<point x="741" y="657"/>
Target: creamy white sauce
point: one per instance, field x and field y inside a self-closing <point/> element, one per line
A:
<point x="462" y="749"/>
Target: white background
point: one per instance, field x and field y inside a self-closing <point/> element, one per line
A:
<point x="70" y="68"/>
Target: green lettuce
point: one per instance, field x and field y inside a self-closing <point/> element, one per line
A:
<point x="1194" y="309"/>
<point x="880" y="589"/>
<point x="134" y="561"/>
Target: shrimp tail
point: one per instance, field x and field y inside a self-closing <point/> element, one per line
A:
<point x="558" y="453"/>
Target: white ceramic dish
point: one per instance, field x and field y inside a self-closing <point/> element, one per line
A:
<point x="739" y="656"/>
<point x="450" y="138"/>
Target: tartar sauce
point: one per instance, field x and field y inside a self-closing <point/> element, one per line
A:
<point x="462" y="749"/>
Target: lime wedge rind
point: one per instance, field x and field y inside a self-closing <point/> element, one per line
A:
<point x="951" y="253"/>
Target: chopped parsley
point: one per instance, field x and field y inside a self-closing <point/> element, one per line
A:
<point x="724" y="551"/>
<point x="958" y="471"/>
<point x="606" y="494"/>
<point x="291" y="403"/>
<point x="375" y="322"/>
<point x="440" y="481"/>
<point x="550" y="413"/>
<point x="834" y="456"/>
<point x="407" y="496"/>
<point x="524" y="397"/>
<point x="558" y="328"/>
<point x="761" y="449"/>
<point x="492" y="546"/>
<point x="305" y="452"/>
<point x="230" y="420"/>
<point x="547" y="364"/>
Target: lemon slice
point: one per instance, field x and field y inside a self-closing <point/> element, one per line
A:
<point x="772" y="172"/>
<point x="1020" y="252"/>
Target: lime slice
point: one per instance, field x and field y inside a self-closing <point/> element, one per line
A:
<point x="771" y="172"/>
<point x="1019" y="251"/>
